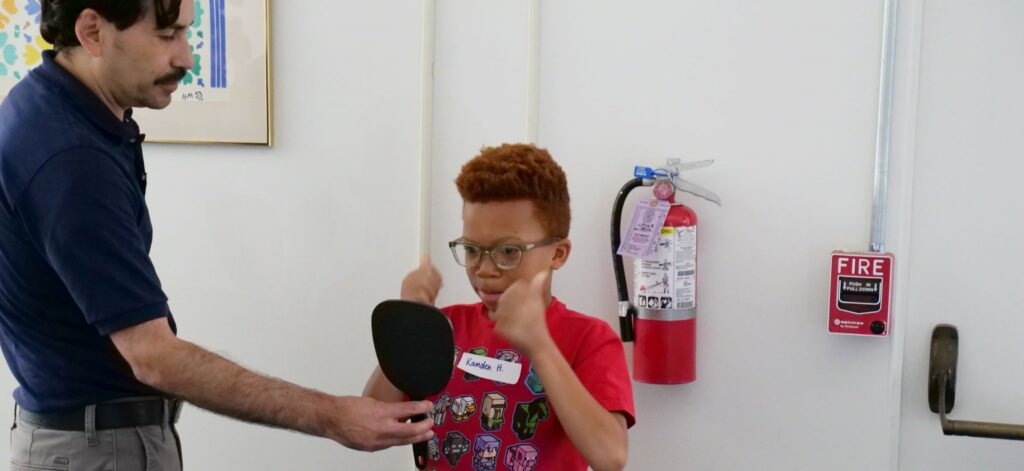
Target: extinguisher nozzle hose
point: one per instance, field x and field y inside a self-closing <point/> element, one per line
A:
<point x="626" y="311"/>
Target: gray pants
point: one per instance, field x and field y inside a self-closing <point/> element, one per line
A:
<point x="149" y="448"/>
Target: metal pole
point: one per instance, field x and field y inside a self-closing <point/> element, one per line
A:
<point x="884" y="133"/>
<point x="427" y="123"/>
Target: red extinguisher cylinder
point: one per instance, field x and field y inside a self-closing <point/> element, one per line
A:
<point x="665" y="349"/>
<point x="665" y="352"/>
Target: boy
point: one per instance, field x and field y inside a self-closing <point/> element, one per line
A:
<point x="572" y="401"/>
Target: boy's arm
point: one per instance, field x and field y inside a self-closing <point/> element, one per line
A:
<point x="379" y="388"/>
<point x="598" y="434"/>
<point x="422" y="284"/>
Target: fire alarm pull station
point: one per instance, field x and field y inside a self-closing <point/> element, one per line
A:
<point x="861" y="294"/>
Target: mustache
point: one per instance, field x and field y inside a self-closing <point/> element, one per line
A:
<point x="173" y="77"/>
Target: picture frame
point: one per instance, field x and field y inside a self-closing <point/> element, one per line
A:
<point x="226" y="98"/>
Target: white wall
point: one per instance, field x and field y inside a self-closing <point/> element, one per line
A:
<point x="784" y="95"/>
<point x="276" y="257"/>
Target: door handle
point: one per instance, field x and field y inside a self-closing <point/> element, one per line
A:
<point x="942" y="390"/>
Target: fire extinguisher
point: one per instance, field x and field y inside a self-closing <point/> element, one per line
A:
<point x="661" y="319"/>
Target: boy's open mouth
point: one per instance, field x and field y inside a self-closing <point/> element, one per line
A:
<point x="489" y="296"/>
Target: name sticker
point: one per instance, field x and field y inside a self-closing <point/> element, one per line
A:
<point x="490" y="368"/>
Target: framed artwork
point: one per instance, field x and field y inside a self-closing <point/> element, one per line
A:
<point x="225" y="98"/>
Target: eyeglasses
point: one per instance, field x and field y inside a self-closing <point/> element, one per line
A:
<point x="505" y="256"/>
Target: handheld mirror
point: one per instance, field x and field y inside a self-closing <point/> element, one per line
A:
<point x="416" y="348"/>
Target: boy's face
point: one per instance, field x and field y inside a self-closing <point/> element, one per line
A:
<point x="507" y="222"/>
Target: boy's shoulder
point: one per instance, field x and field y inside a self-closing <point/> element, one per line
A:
<point x="579" y="323"/>
<point x="570" y="314"/>
<point x="559" y="309"/>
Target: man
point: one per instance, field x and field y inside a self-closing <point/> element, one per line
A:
<point x="84" y="325"/>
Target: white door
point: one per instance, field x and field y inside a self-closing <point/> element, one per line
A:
<point x="966" y="236"/>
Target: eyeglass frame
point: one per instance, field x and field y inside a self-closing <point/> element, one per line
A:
<point x="489" y="251"/>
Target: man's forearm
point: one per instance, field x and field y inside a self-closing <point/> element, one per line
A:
<point x="215" y="383"/>
<point x="179" y="368"/>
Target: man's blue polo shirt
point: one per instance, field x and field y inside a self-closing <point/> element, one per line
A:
<point x="75" y="235"/>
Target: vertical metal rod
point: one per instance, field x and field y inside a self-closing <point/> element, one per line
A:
<point x="427" y="123"/>
<point x="884" y="134"/>
<point x="533" y="73"/>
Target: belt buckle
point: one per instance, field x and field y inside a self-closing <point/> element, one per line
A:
<point x="175" y="406"/>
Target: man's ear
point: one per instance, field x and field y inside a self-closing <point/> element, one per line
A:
<point x="562" y="251"/>
<point x="89" y="30"/>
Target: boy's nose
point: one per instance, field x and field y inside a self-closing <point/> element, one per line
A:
<point x="487" y="268"/>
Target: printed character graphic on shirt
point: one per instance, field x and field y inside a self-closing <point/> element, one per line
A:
<point x="463" y="408"/>
<point x="476" y="351"/>
<point x="440" y="410"/>
<point x="455" y="361"/>
<point x="533" y="383"/>
<point x="434" y="449"/>
<point x="485" y="452"/>
<point x="528" y="415"/>
<point x="492" y="414"/>
<point x="511" y="356"/>
<point x="455" y="445"/>
<point x="521" y="457"/>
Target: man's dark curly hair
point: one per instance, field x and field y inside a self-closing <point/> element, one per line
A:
<point x="59" y="16"/>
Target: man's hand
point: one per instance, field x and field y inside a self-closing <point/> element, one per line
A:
<point x="422" y="284"/>
<point x="366" y="424"/>
<point x="520" y="315"/>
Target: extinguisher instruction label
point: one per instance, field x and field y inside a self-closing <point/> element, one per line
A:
<point x="642" y="234"/>
<point x="686" y="267"/>
<point x="667" y="278"/>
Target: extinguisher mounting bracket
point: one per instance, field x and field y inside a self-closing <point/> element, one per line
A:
<point x="672" y="171"/>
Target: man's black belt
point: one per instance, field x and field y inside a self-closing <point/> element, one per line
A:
<point x="109" y="415"/>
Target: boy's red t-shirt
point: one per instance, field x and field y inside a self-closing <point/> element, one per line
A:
<point x="484" y="425"/>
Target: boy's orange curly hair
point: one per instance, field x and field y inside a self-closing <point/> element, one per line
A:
<point x="512" y="172"/>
